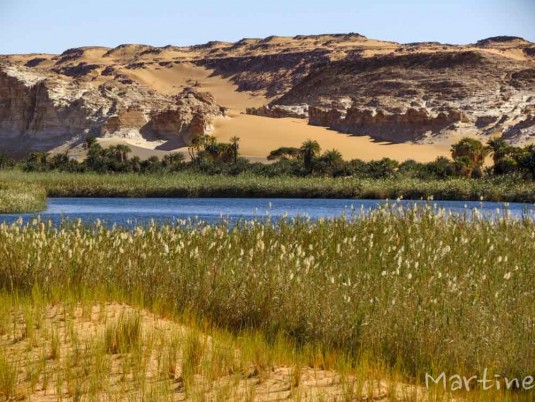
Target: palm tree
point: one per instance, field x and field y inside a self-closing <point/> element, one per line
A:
<point x="213" y="150"/>
<point x="197" y="142"/>
<point x="212" y="147"/>
<point x="210" y="140"/>
<point x="235" y="146"/>
<point x="174" y="158"/>
<point x="284" y="153"/>
<point x="122" y="152"/>
<point x="40" y="157"/>
<point x="473" y="150"/>
<point x="526" y="159"/>
<point x="332" y="157"/>
<point x="499" y="149"/>
<point x="463" y="166"/>
<point x="309" y="150"/>
<point x="89" y="142"/>
<point x="135" y="164"/>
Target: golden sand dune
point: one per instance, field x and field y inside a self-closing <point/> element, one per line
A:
<point x="259" y="134"/>
<point x="112" y="351"/>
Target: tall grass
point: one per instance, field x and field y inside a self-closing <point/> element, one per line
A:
<point x="413" y="288"/>
<point x="8" y="378"/>
<point x="169" y="362"/>
<point x="248" y="185"/>
<point x="124" y="335"/>
<point x="18" y="197"/>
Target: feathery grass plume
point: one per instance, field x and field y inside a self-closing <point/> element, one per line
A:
<point x="412" y="289"/>
<point x="21" y="197"/>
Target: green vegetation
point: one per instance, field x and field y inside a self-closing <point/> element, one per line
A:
<point x="391" y="295"/>
<point x="18" y="197"/>
<point x="189" y="184"/>
<point x="217" y="170"/>
<point x="412" y="290"/>
<point x="208" y="156"/>
<point x="68" y="357"/>
<point x="8" y="378"/>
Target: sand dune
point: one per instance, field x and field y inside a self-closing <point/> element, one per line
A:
<point x="172" y="80"/>
<point x="260" y="135"/>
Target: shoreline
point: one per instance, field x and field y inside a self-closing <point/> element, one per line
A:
<point x="188" y="185"/>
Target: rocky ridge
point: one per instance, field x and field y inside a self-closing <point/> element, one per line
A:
<point x="40" y="111"/>
<point x="418" y="97"/>
<point x="417" y="92"/>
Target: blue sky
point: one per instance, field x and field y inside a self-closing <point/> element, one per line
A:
<point x="28" y="26"/>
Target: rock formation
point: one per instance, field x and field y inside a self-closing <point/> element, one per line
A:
<point x="396" y="92"/>
<point x="280" y="111"/>
<point x="40" y="111"/>
<point x="418" y="96"/>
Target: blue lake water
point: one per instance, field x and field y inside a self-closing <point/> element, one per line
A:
<point x="131" y="211"/>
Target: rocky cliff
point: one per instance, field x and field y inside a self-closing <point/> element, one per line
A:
<point x="397" y="92"/>
<point x="420" y="96"/>
<point x="39" y="110"/>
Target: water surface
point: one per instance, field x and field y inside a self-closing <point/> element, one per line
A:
<point x="131" y="211"/>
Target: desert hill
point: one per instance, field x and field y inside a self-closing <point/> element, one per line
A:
<point x="365" y="97"/>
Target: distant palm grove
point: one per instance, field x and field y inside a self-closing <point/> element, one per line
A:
<point x="208" y="156"/>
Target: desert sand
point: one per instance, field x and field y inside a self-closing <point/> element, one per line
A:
<point x="109" y="376"/>
<point x="260" y="135"/>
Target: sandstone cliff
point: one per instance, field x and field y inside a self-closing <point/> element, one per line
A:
<point x="41" y="111"/>
<point x="420" y="96"/>
<point x="417" y="92"/>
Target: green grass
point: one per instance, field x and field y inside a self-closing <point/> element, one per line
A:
<point x="197" y="185"/>
<point x="167" y="361"/>
<point x="8" y="378"/>
<point x="409" y="291"/>
<point x="18" y="197"/>
<point x="124" y="335"/>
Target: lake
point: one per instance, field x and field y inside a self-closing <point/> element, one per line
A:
<point x="131" y="211"/>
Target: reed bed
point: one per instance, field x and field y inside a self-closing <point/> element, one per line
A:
<point x="415" y="289"/>
<point x="59" y="184"/>
<point x="18" y="197"/>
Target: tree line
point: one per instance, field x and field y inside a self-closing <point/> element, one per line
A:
<point x="207" y="155"/>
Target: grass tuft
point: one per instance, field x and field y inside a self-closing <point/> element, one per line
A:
<point x="8" y="378"/>
<point x="123" y="335"/>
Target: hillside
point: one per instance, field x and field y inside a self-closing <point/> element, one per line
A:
<point x="366" y="97"/>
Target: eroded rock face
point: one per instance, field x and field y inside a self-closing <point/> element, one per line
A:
<point x="31" y="107"/>
<point x="523" y="128"/>
<point x="390" y="91"/>
<point x="273" y="74"/>
<point x="395" y="127"/>
<point x="39" y="111"/>
<point x="280" y="111"/>
<point x="421" y="96"/>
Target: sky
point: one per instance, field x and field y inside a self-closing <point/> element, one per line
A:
<point x="52" y="26"/>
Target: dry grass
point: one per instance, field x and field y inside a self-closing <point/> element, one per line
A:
<point x="158" y="359"/>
